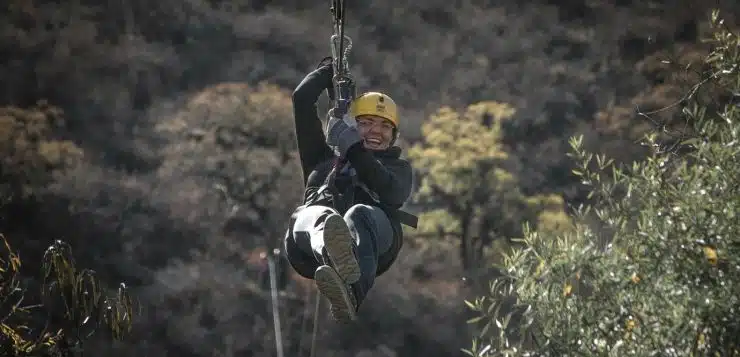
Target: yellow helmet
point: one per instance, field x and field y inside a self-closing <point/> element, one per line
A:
<point x="375" y="103"/>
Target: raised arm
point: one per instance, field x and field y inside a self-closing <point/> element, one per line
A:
<point x="312" y="148"/>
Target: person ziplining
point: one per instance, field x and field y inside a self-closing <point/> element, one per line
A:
<point x="348" y="230"/>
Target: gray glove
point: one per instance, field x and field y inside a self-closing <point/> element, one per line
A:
<point x="341" y="133"/>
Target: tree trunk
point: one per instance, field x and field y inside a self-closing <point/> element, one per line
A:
<point x="466" y="246"/>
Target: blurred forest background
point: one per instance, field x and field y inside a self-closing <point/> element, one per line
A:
<point x="155" y="138"/>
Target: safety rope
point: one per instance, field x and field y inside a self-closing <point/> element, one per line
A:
<point x="344" y="90"/>
<point x="342" y="79"/>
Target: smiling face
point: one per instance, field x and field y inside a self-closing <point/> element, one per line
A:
<point x="377" y="132"/>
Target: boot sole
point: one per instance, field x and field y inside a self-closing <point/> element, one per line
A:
<point x="338" y="244"/>
<point x="332" y="287"/>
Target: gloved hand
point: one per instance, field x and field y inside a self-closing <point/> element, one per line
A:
<point x="328" y="66"/>
<point x="341" y="133"/>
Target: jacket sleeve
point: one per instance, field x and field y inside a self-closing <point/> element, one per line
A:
<point x="312" y="148"/>
<point x="392" y="182"/>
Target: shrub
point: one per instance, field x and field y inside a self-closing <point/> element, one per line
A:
<point x="31" y="156"/>
<point x="71" y="299"/>
<point x="660" y="275"/>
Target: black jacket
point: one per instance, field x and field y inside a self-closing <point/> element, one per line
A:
<point x="384" y="173"/>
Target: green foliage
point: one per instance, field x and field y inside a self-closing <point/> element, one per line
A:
<point x="72" y="300"/>
<point x="461" y="150"/>
<point x="467" y="179"/>
<point x="660" y="274"/>
<point x="31" y="156"/>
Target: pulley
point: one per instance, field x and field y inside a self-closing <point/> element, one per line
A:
<point x="341" y="45"/>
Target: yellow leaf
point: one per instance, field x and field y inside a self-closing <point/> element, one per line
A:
<point x="567" y="290"/>
<point x="540" y="268"/>
<point x="711" y="254"/>
<point x="630" y="324"/>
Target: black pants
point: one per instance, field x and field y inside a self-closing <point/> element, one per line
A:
<point x="369" y="226"/>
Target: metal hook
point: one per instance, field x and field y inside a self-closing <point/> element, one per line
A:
<point x="334" y="43"/>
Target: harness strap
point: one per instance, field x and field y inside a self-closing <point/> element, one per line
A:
<point x="404" y="217"/>
<point x="329" y="192"/>
<point x="407" y="218"/>
<point x="330" y="183"/>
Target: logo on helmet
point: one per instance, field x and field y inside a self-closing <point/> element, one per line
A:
<point x="380" y="106"/>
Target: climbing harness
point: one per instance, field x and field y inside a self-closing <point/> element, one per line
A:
<point x="345" y="92"/>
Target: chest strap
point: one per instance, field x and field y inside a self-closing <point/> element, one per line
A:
<point x="404" y="217"/>
<point x="329" y="192"/>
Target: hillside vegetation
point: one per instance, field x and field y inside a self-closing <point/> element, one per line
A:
<point x="659" y="276"/>
<point x="154" y="140"/>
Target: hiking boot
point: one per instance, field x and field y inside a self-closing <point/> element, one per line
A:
<point x="341" y="299"/>
<point x="340" y="247"/>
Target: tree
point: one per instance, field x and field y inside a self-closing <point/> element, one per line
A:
<point x="660" y="274"/>
<point x="233" y="147"/>
<point x="230" y="168"/>
<point x="72" y="307"/>
<point x="467" y="180"/>
<point x="31" y="156"/>
<point x="51" y="315"/>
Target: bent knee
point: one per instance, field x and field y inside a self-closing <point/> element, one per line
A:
<point x="360" y="211"/>
<point x="367" y="213"/>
